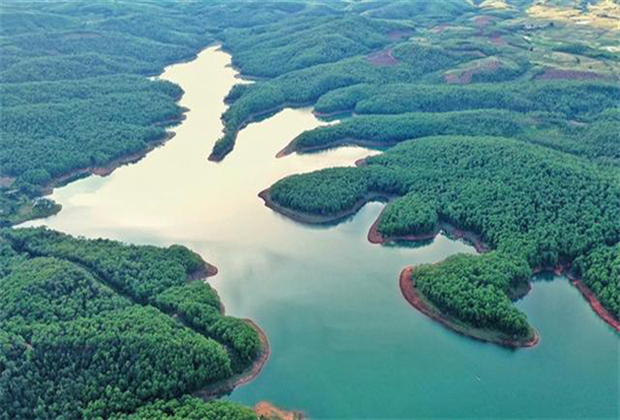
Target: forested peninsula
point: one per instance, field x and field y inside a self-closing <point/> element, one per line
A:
<point x="535" y="208"/>
<point x="91" y="328"/>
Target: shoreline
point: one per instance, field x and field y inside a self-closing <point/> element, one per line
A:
<point x="109" y="168"/>
<point x="596" y="305"/>
<point x="135" y="157"/>
<point x="206" y="270"/>
<point x="266" y="410"/>
<point x="131" y="158"/>
<point x="586" y="293"/>
<point x="291" y="148"/>
<point x="226" y="386"/>
<point x="452" y="232"/>
<point x="327" y="115"/>
<point x="252" y="118"/>
<point x="415" y="299"/>
<point x="319" y="219"/>
<point x="203" y="273"/>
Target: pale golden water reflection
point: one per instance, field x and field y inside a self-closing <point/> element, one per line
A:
<point x="344" y="342"/>
<point x="175" y="190"/>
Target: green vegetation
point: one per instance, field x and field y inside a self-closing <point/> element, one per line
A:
<point x="535" y="206"/>
<point x="94" y="327"/>
<point x="475" y="291"/>
<point x="574" y="100"/>
<point x="307" y="85"/>
<point x="73" y="88"/>
<point x="98" y="329"/>
<point x="410" y="213"/>
<point x="288" y="46"/>
<point x="190" y="409"/>
<point x="387" y="130"/>
<point x="600" y="271"/>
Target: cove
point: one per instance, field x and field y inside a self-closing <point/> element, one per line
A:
<point x="344" y="342"/>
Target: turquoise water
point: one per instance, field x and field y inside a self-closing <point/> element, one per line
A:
<point x="345" y="344"/>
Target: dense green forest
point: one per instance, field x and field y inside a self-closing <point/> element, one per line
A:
<point x="546" y="197"/>
<point x="148" y="333"/>
<point x="98" y="329"/>
<point x="535" y="206"/>
<point x="189" y="409"/>
<point x="73" y="88"/>
<point x="579" y="118"/>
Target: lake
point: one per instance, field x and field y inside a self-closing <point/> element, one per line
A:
<point x="345" y="344"/>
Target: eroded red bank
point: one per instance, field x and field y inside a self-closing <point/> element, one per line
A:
<point x="411" y="295"/>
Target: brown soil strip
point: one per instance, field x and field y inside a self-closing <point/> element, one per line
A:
<point x="383" y="58"/>
<point x="327" y="115"/>
<point x="360" y="163"/>
<point x="349" y="141"/>
<point x="565" y="270"/>
<point x="226" y="386"/>
<point x="205" y="271"/>
<point x="267" y="410"/>
<point x="313" y="219"/>
<point x="596" y="305"/>
<point x="559" y="74"/>
<point x="398" y="34"/>
<point x="411" y="295"/>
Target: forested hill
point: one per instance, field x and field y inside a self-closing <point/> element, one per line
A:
<point x="95" y="328"/>
<point x="419" y="56"/>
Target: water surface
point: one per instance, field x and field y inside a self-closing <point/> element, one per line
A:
<point x="345" y="344"/>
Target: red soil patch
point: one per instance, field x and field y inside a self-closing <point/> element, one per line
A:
<point x="559" y="74"/>
<point x="482" y="21"/>
<point x="466" y="76"/>
<point x="596" y="305"/>
<point x="267" y="410"/>
<point x="411" y="295"/>
<point x="497" y="39"/>
<point x="399" y="34"/>
<point x="383" y="58"/>
<point x="361" y="162"/>
<point x="439" y="28"/>
<point x="6" y="181"/>
<point x="207" y="270"/>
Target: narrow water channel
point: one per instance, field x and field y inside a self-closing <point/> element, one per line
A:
<point x="344" y="342"/>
